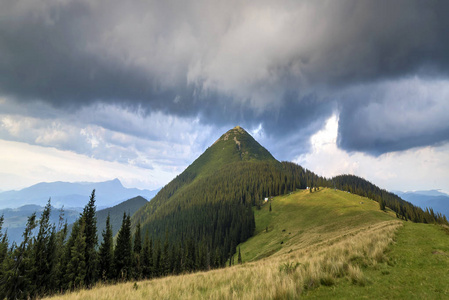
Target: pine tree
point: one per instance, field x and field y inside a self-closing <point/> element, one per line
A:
<point x="90" y="233"/>
<point x="165" y="259"/>
<point x="3" y="255"/>
<point x="270" y="206"/>
<point x="66" y="281"/>
<point x="123" y="250"/>
<point x="57" y="278"/>
<point x="137" y="251"/>
<point x="3" y="244"/>
<point x="16" y="281"/>
<point x="76" y="267"/>
<point x="106" y="252"/>
<point x="43" y="254"/>
<point x="381" y="204"/>
<point x="147" y="257"/>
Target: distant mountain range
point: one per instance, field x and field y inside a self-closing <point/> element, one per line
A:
<point x="16" y="218"/>
<point x="72" y="195"/>
<point x="434" y="199"/>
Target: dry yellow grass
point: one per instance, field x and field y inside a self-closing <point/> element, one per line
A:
<point x="276" y="277"/>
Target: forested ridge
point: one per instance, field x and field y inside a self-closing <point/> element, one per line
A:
<point x="211" y="201"/>
<point x="404" y="210"/>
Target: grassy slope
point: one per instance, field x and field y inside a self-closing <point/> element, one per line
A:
<point x="418" y="269"/>
<point x="330" y="233"/>
<point x="309" y="218"/>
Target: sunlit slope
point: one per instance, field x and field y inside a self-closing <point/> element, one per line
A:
<point x="331" y="238"/>
<point x="417" y="268"/>
<point x="302" y="219"/>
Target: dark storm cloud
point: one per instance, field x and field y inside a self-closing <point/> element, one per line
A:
<point x="279" y="64"/>
<point x="385" y="117"/>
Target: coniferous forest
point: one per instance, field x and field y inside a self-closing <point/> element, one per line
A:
<point x="197" y="236"/>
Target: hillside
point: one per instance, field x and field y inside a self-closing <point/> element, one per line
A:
<point x="325" y="244"/>
<point x="303" y="219"/>
<point x="129" y="206"/>
<point x="211" y="201"/>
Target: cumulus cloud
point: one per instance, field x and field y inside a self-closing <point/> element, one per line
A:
<point x="418" y="168"/>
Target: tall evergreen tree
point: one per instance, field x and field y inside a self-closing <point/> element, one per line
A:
<point x="90" y="233"/>
<point x="3" y="256"/>
<point x="76" y="267"/>
<point x="106" y="252"/>
<point x="165" y="260"/>
<point x="43" y="254"/>
<point x="381" y="204"/>
<point x="147" y="257"/>
<point x="56" y="274"/>
<point x="137" y="249"/>
<point x="15" y="282"/>
<point x="123" y="250"/>
<point x="3" y="244"/>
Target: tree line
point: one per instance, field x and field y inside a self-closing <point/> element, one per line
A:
<point x="50" y="261"/>
<point x="403" y="209"/>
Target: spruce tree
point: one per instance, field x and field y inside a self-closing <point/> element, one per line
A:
<point x="106" y="252"/>
<point x="147" y="257"/>
<point x="165" y="259"/>
<point x="3" y="244"/>
<point x="55" y="247"/>
<point x="43" y="254"/>
<point x="381" y="204"/>
<point x="76" y="267"/>
<point x="57" y="278"/>
<point x="90" y="233"/>
<point x="137" y="249"/>
<point x="123" y="250"/>
<point x="15" y="282"/>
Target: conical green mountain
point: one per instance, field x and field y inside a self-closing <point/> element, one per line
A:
<point x="211" y="201"/>
<point x="236" y="145"/>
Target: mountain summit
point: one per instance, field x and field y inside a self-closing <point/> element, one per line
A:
<point x="211" y="202"/>
<point x="236" y="145"/>
<point x="239" y="143"/>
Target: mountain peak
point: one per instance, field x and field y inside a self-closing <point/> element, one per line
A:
<point x="232" y="133"/>
<point x="233" y="146"/>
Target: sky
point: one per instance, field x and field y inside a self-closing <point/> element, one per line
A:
<point x="137" y="90"/>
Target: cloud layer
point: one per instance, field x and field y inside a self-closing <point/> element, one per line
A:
<point x="153" y="83"/>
